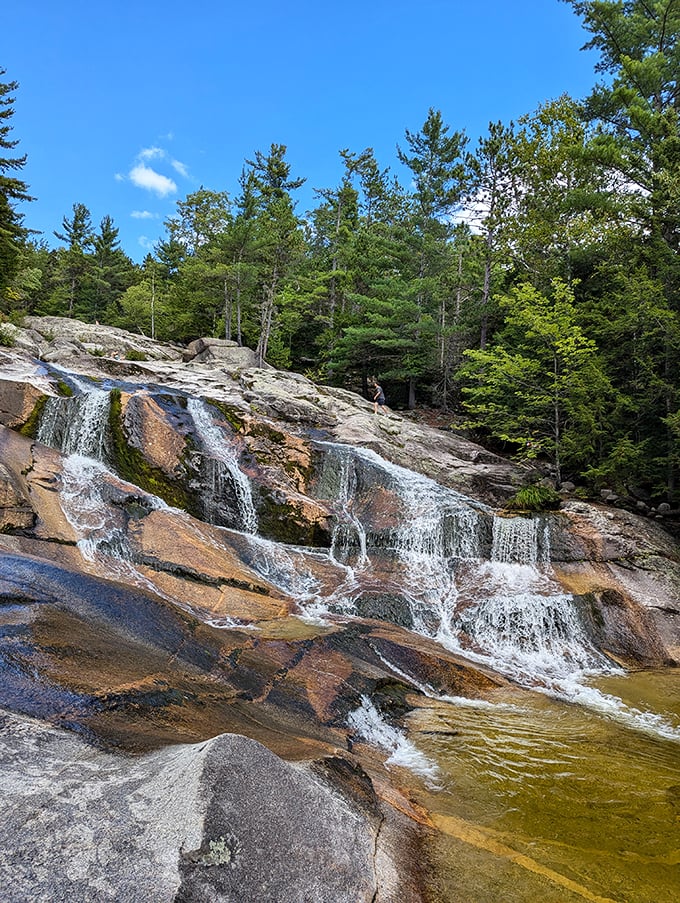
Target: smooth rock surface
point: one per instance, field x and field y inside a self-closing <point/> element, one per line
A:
<point x="220" y="820"/>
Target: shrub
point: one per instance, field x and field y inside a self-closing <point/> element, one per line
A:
<point x="133" y="355"/>
<point x="7" y="339"/>
<point x="534" y="498"/>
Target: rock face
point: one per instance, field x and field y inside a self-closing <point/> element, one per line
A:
<point x="630" y="569"/>
<point x="187" y="823"/>
<point x="243" y="554"/>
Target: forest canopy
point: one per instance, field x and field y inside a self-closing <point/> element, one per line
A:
<point x="526" y="286"/>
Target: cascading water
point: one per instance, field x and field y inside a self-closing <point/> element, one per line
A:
<point x="222" y="470"/>
<point x="76" y="424"/>
<point x="505" y="611"/>
<point x="99" y="525"/>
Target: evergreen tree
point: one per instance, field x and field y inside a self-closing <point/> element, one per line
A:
<point x="637" y="113"/>
<point x="12" y="191"/>
<point x="281" y="240"/>
<point x="540" y="386"/>
<point x="113" y="271"/>
<point x="437" y="162"/>
<point x="75" y="261"/>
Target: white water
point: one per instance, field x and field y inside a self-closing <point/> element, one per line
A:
<point x="506" y="612"/>
<point x="222" y="465"/>
<point x="100" y="527"/>
<point x="369" y="725"/>
<point x="76" y="425"/>
<point x="479" y="584"/>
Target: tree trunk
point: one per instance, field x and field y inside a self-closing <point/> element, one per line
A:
<point x="227" y="312"/>
<point x="266" y="317"/>
<point x="411" y="393"/>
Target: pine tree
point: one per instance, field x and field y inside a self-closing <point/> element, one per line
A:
<point x="12" y="191"/>
<point x="74" y="260"/>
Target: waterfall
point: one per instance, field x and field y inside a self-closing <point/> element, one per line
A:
<point x="76" y="425"/>
<point x="348" y="545"/>
<point x="221" y="469"/>
<point x="478" y="583"/>
<point x="520" y="540"/>
<point x="89" y="504"/>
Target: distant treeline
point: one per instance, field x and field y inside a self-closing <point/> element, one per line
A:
<point x="529" y="286"/>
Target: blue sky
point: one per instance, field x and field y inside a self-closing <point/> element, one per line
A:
<point x="127" y="107"/>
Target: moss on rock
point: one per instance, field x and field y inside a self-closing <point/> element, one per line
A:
<point x="131" y="465"/>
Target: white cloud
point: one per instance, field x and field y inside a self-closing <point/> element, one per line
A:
<point x="145" y="243"/>
<point x="144" y="177"/>
<point x="119" y="177"/>
<point x="143" y="214"/>
<point x="151" y="153"/>
<point x="180" y="168"/>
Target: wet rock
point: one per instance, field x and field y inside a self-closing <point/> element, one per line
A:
<point x="384" y="607"/>
<point x="17" y="401"/>
<point x="16" y="512"/>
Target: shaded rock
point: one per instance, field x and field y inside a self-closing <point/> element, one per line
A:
<point x="16" y="512"/>
<point x="595" y="550"/>
<point x="224" y="819"/>
<point x="384" y="607"/>
<point x="17" y="401"/>
<point x="623" y="630"/>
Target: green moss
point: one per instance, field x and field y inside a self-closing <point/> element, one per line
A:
<point x="285" y="522"/>
<point x="64" y="389"/>
<point x="131" y="465"/>
<point x="31" y="426"/>
<point x="233" y="417"/>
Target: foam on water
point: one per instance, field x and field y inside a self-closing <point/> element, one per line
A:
<point x="368" y="724"/>
<point x="76" y="425"/>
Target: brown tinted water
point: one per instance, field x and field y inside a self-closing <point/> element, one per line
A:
<point x="542" y="801"/>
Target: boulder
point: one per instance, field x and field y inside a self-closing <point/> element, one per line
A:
<point x="220" y="820"/>
<point x="16" y="512"/>
<point x="220" y="352"/>
<point x="18" y="399"/>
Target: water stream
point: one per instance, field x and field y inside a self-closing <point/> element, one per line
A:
<point x="222" y="469"/>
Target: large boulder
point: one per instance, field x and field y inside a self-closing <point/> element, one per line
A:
<point x="220" y="353"/>
<point x="220" y="820"/>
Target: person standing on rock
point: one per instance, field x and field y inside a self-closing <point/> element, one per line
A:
<point x="378" y="397"/>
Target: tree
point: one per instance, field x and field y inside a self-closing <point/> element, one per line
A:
<point x="200" y="218"/>
<point x="113" y="271"/>
<point x="540" y="386"/>
<point x="437" y="162"/>
<point x="278" y="231"/>
<point x="12" y="191"/>
<point x="74" y="262"/>
<point x="637" y="113"/>
<point x="490" y="191"/>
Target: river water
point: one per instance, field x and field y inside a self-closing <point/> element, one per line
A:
<point x="541" y="801"/>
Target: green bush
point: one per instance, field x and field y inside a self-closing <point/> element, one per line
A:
<point x="534" y="498"/>
<point x="6" y="338"/>
<point x="133" y="355"/>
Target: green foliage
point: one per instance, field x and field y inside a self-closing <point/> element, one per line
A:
<point x="7" y="339"/>
<point x="541" y="384"/>
<point x="534" y="498"/>
<point x="12" y="191"/>
<point x="133" y="355"/>
<point x="553" y="325"/>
